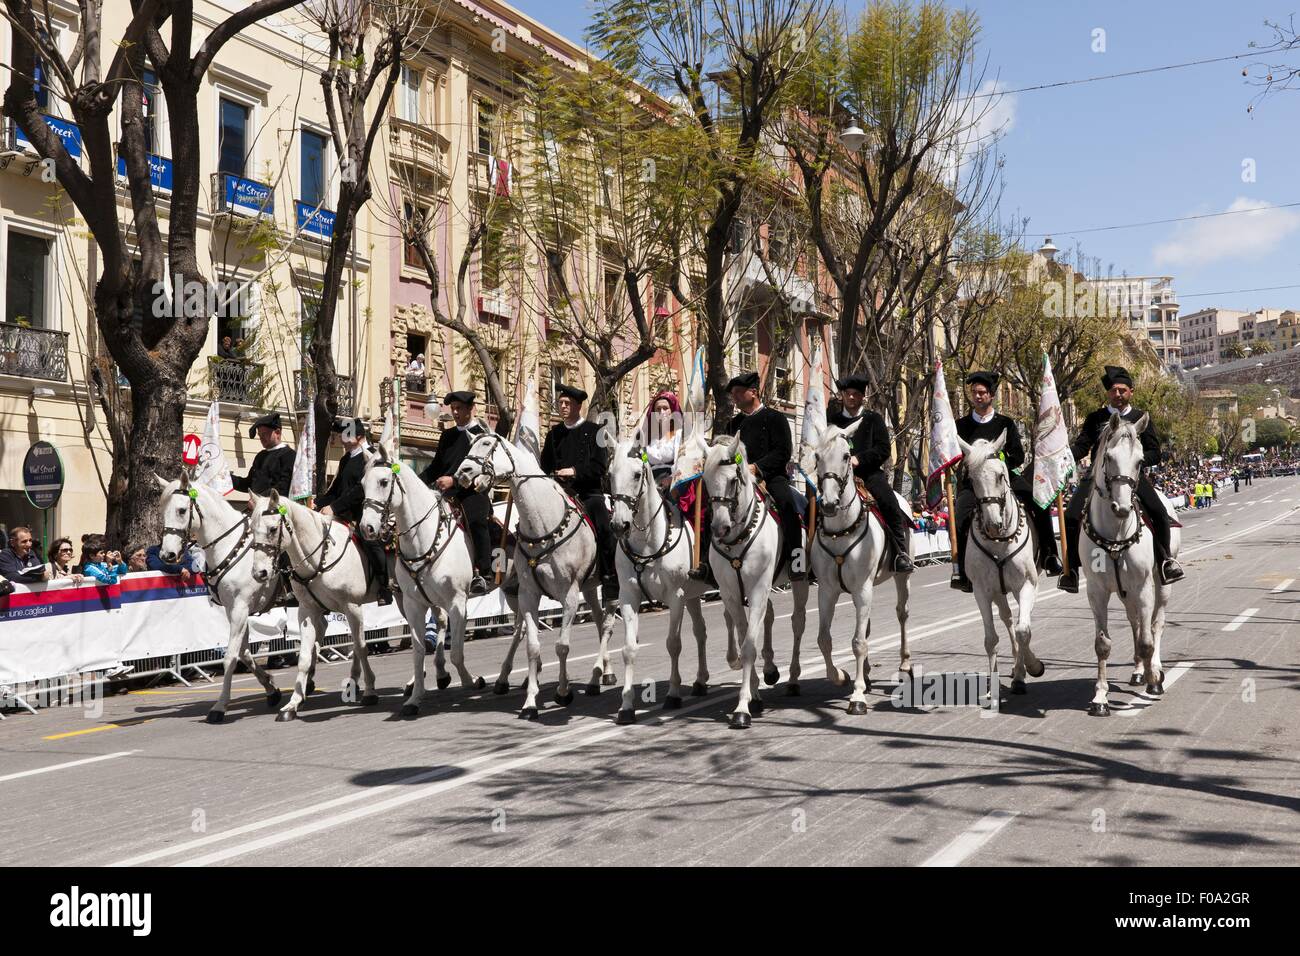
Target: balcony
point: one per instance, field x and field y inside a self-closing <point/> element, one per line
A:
<point x="420" y="148"/>
<point x="33" y="353"/>
<point x="304" y="386"/>
<point x="236" y="196"/>
<point x="234" y="380"/>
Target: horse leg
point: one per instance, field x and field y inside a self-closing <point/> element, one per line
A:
<point x="357" y="627"/>
<point x="674" y="641"/>
<point x="1158" y="633"/>
<point x="1024" y="629"/>
<point x="861" y="666"/>
<point x="417" y="613"/>
<point x="902" y="588"/>
<point x="1144" y="646"/>
<point x="742" y="716"/>
<point x="533" y="681"/>
<point x="628" y="607"/>
<point x="1017" y="663"/>
<point x="441" y="679"/>
<point x="503" y="679"/>
<point x="798" y="621"/>
<point x="602" y="673"/>
<point x="827" y="595"/>
<point x="701" y="685"/>
<point x="234" y="650"/>
<point x="563" y="695"/>
<point x="1099" y="597"/>
<point x="457" y="619"/>
<point x="306" y="663"/>
<point x="770" y="672"/>
<point x="985" y="603"/>
<point x="733" y="645"/>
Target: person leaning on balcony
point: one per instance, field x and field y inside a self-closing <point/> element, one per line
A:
<point x="226" y="351"/>
<point x="19" y="562"/>
<point x="273" y="465"/>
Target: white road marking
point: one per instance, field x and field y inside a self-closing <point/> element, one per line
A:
<point x="934" y="585"/>
<point x="969" y="842"/>
<point x="70" y="763"/>
<point x="1241" y="619"/>
<point x="1283" y="586"/>
<point x="1143" y="701"/>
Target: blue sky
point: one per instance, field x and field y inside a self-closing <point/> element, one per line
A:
<point x="1129" y="150"/>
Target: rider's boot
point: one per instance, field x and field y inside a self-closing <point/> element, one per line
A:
<point x="478" y="586"/>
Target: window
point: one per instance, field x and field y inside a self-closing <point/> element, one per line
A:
<point x="408" y="95"/>
<point x="414" y="219"/>
<point x="150" y="107"/>
<point x="310" y="308"/>
<point x="611" y="293"/>
<point x="486" y="119"/>
<point x="313" y="186"/>
<point x="233" y="137"/>
<point x="417" y="375"/>
<point x="554" y="279"/>
<point x="748" y="346"/>
<point x="27" y="274"/>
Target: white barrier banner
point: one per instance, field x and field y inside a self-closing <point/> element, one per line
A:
<point x="160" y="617"/>
<point x="47" y="630"/>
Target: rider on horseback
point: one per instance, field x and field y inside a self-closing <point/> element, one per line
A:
<point x="1119" y="387"/>
<point x="453" y="446"/>
<point x="344" y="496"/>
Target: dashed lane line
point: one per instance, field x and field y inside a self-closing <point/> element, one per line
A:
<point x="1241" y="619"/>
<point x="968" y="843"/>
<point x="1143" y="701"/>
<point x="63" y="766"/>
<point x="1283" y="586"/>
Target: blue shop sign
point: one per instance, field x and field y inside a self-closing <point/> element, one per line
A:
<point x="160" y="171"/>
<point x="68" y="132"/>
<point x="248" y="197"/>
<point x="315" y="222"/>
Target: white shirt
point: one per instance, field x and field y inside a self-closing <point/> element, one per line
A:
<point x="986" y="419"/>
<point x="663" y="453"/>
<point x="846" y="413"/>
<point x="1123" y="411"/>
<point x="361" y="446"/>
<point x="575" y="424"/>
<point x="468" y="425"/>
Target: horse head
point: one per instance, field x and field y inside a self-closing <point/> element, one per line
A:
<point x="1119" y="462"/>
<point x="270" y="517"/>
<point x="383" y="491"/>
<point x="728" y="481"/>
<point x="829" y="458"/>
<point x="989" y="478"/>
<point x="629" y="478"/>
<point x="487" y="460"/>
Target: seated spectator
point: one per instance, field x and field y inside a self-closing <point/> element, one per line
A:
<point x="136" y="559"/>
<point x="19" y="563"/>
<point x="185" y="568"/>
<point x="60" y="556"/>
<point x="99" y="561"/>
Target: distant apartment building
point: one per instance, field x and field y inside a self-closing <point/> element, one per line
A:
<point x="1206" y="333"/>
<point x="1150" y="305"/>
<point x="1277" y="327"/>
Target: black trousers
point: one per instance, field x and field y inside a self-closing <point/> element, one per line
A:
<point x="1152" y="504"/>
<point x="477" y="510"/>
<point x="378" y="559"/>
<point x="595" y="507"/>
<point x="899" y="521"/>
<point x="778" y="490"/>
<point x="1041" y="519"/>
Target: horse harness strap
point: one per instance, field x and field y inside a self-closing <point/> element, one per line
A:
<point x="758" y="515"/>
<point x="862" y="520"/>
<point x="1002" y="562"/>
<point x="553" y="539"/>
<point x="1115" y="548"/>
<point x="242" y="546"/>
<point x="641" y="561"/>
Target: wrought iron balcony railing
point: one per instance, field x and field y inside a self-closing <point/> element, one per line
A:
<point x="234" y="380"/>
<point x="33" y="353"/>
<point x="304" y="387"/>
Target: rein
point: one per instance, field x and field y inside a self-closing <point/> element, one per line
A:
<point x="1114" y="547"/>
<point x="1001" y="563"/>
<point x="241" y="547"/>
<point x="641" y="561"/>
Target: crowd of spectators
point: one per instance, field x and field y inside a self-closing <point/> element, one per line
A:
<point x="100" y="561"/>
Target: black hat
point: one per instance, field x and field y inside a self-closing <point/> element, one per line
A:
<point x="569" y="391"/>
<point x="744" y="380"/>
<point x="858" y="382"/>
<point x="342" y="424"/>
<point x="271" y="421"/>
<point x="1116" y="375"/>
<point x="462" y="396"/>
<point x="987" y="379"/>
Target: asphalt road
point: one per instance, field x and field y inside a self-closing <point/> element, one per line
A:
<point x="1206" y="775"/>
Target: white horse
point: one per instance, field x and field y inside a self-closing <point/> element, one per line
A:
<point x="433" y="564"/>
<point x="555" y="555"/>
<point x="745" y="547"/>
<point x="1118" y="556"/>
<point x="327" y="573"/>
<point x="848" y="554"/>
<point x="1000" y="561"/>
<point x="197" y="513"/>
<point x="654" y="560"/>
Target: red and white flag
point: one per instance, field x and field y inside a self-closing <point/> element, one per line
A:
<point x="945" y="448"/>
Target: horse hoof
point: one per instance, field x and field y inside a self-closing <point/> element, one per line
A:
<point x="593" y="689"/>
<point x="770" y="677"/>
<point x="408" y="710"/>
<point x="501" y="687"/>
<point x="528" y="713"/>
<point x="215" y="716"/>
<point x="756" y="707"/>
<point x="672" y="703"/>
<point x="698" y="689"/>
<point x="284" y="716"/>
<point x="564" y="700"/>
<point x="1037" y="669"/>
<point x="792" y="689"/>
<point x="443" y="681"/>
<point x="626" y="717"/>
<point x="311" y="687"/>
<point x="1018" y="687"/>
<point x="739" y="721"/>
<point x="273" y="698"/>
<point x="609" y="680"/>
<point x="1098" y="710"/>
<point x="479" y="683"/>
<point x="1156" y="690"/>
<point x="369" y="700"/>
<point x="1137" y="679"/>
<point x="858" y="708"/>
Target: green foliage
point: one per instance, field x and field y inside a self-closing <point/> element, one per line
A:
<point x="1272" y="432"/>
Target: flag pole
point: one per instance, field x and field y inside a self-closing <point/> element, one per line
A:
<point x="952" y="518"/>
<point x="1060" y="524"/>
<point x="699" y="503"/>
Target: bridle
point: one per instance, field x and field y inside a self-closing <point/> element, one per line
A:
<point x="486" y="465"/>
<point x="273" y="551"/>
<point x="634" y="499"/>
<point x="830" y="504"/>
<point x="214" y="576"/>
<point x="641" y="561"/>
<point x="1000" y="535"/>
<point x="415" y="566"/>
<point x="829" y="511"/>
<point x="748" y="532"/>
<point x="1114" y="547"/>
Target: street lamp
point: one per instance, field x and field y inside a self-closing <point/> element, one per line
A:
<point x="853" y="138"/>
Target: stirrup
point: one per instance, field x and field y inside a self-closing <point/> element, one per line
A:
<point x="1171" y="570"/>
<point x="903" y="564"/>
<point x="478" y="586"/>
<point x="1069" y="581"/>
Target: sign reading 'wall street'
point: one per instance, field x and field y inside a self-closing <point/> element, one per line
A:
<point x="43" y="475"/>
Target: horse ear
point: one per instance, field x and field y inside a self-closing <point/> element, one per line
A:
<point x="998" y="443"/>
<point x="848" y="431"/>
<point x="273" y="499"/>
<point x="734" y="447"/>
<point x="965" y="448"/>
<point x="1141" y="423"/>
<point x="1115" y="420"/>
<point x="163" y="483"/>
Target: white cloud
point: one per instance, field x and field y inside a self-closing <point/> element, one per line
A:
<point x="984" y="118"/>
<point x="1254" y="233"/>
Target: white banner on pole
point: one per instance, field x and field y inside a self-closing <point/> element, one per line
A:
<point x="213" y="470"/>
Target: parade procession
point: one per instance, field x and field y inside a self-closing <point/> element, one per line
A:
<point x="430" y="440"/>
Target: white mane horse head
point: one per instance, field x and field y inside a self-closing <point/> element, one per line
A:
<point x="630" y="477"/>
<point x="271" y="531"/>
<point x="184" y="507"/>
<point x="489" y="458"/>
<point x="384" y="493"/>
<point x="830" y="459"/>
<point x="729" y="482"/>
<point x="990" y="479"/>
<point x="1117" y="466"/>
